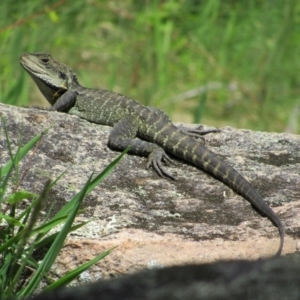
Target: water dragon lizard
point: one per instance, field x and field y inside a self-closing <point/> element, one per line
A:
<point x="148" y="131"/>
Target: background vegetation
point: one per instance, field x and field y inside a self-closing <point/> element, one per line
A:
<point x="216" y="62"/>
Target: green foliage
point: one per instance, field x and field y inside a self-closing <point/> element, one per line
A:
<point x="240" y="56"/>
<point x="20" y="237"/>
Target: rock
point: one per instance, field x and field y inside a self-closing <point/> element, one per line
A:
<point x="156" y="221"/>
<point x="275" y="279"/>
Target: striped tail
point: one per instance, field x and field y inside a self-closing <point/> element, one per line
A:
<point x="191" y="150"/>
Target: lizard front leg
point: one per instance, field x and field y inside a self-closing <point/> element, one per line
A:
<point x="123" y="135"/>
<point x="65" y="101"/>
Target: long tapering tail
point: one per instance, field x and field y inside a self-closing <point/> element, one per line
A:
<point x="193" y="151"/>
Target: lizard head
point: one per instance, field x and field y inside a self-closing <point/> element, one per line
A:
<point x="52" y="77"/>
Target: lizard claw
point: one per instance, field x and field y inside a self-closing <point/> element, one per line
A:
<point x="155" y="160"/>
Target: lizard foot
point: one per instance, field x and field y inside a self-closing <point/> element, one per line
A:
<point x="197" y="132"/>
<point x="155" y="160"/>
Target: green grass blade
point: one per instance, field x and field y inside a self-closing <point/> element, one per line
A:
<point x="74" y="273"/>
<point x="5" y="265"/>
<point x="11" y="241"/>
<point x="49" y="225"/>
<point x="56" y="246"/>
<point x="3" y="121"/>
<point x="93" y="183"/>
<point x="20" y="154"/>
<point x="44" y="228"/>
<point x="57" y="179"/>
<point x="11" y="220"/>
<point x="4" y="182"/>
<point x="49" y="239"/>
<point x="13" y="94"/>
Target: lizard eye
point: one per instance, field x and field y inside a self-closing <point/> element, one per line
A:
<point x="44" y="60"/>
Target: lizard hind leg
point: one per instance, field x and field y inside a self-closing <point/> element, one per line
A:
<point x="124" y="134"/>
<point x="155" y="158"/>
<point x="197" y="132"/>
